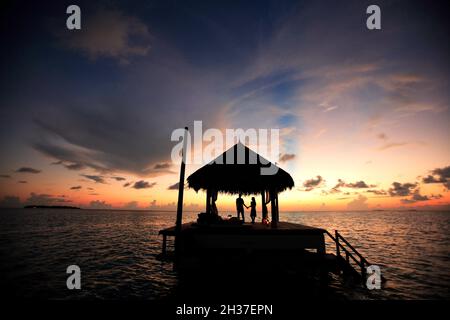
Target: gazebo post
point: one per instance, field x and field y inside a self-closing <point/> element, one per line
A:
<point x="179" y="221"/>
<point x="263" y="205"/>
<point x="278" y="208"/>
<point x="273" y="208"/>
<point x="208" y="201"/>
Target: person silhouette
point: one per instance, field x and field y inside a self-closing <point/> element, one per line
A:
<point x="240" y="207"/>
<point x="253" y="209"/>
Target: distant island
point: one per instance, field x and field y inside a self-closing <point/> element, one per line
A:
<point x="50" y="207"/>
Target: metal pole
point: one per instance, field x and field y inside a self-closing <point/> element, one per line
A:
<point x="181" y="189"/>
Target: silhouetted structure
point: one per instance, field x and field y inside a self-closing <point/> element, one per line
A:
<point x="239" y="171"/>
<point x="212" y="243"/>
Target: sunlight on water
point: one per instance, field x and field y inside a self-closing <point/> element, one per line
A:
<point x="117" y="251"/>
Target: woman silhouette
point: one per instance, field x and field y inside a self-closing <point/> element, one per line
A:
<point x="253" y="209"/>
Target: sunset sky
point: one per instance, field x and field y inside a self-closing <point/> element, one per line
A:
<point x="87" y="115"/>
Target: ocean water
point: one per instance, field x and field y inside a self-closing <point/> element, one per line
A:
<point x="117" y="252"/>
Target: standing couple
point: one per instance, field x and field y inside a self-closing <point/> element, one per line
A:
<point x="240" y="208"/>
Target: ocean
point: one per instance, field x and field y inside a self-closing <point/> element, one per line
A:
<point x="117" y="252"/>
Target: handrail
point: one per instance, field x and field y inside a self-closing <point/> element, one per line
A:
<point x="351" y="247"/>
<point x="362" y="261"/>
<point x="345" y="249"/>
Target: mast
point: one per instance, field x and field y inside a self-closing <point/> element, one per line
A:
<point x="181" y="187"/>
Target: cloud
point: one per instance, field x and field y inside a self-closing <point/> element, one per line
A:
<point x="143" y="184"/>
<point x="353" y="185"/>
<point x="132" y="205"/>
<point x="174" y="186"/>
<point x="70" y="165"/>
<point x="378" y="192"/>
<point x="313" y="183"/>
<point x="401" y="189"/>
<point x="360" y="203"/>
<point x="10" y="202"/>
<point x="6" y="176"/>
<point x="439" y="175"/>
<point x="76" y="188"/>
<point x="95" y="178"/>
<point x="391" y="145"/>
<point x="99" y="205"/>
<point x="358" y="185"/>
<point x="417" y="197"/>
<point x="28" y="170"/>
<point x="164" y="165"/>
<point x="118" y="178"/>
<point x="127" y="184"/>
<point x="45" y="199"/>
<point x="22" y="181"/>
<point x="287" y="157"/>
<point x="109" y="33"/>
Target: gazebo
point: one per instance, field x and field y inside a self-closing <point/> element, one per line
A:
<point x="241" y="170"/>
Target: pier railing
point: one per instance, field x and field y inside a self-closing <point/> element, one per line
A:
<point x="350" y="253"/>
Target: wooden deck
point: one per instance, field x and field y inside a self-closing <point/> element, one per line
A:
<point x="247" y="228"/>
<point x="284" y="236"/>
<point x="281" y="238"/>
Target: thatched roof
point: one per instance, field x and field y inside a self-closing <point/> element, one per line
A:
<point x="242" y="176"/>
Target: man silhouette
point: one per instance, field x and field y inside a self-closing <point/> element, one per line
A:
<point x="240" y="207"/>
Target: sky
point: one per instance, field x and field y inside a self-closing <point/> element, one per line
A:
<point x="87" y="115"/>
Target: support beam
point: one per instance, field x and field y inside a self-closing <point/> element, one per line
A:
<point x="179" y="220"/>
<point x="278" y="208"/>
<point x="208" y="201"/>
<point x="263" y="205"/>
<point x="273" y="208"/>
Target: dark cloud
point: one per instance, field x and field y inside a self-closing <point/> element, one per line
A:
<point x="6" y="176"/>
<point x="127" y="184"/>
<point x="354" y="185"/>
<point x="70" y="165"/>
<point x="95" y="178"/>
<point x="417" y="197"/>
<point x="22" y="181"/>
<point x="76" y="188"/>
<point x="118" y="178"/>
<point x="287" y="157"/>
<point x="174" y="186"/>
<point x="401" y="189"/>
<point x="160" y="166"/>
<point x="46" y="199"/>
<point x="358" y="185"/>
<point x="143" y="184"/>
<point x="10" y="202"/>
<point x="313" y="183"/>
<point x="99" y="205"/>
<point x="378" y="192"/>
<point x="439" y="175"/>
<point x="28" y="170"/>
<point x="111" y="34"/>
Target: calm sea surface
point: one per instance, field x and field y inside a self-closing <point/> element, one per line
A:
<point x="117" y="252"/>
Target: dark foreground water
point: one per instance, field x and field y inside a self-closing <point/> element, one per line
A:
<point x="117" y="252"/>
